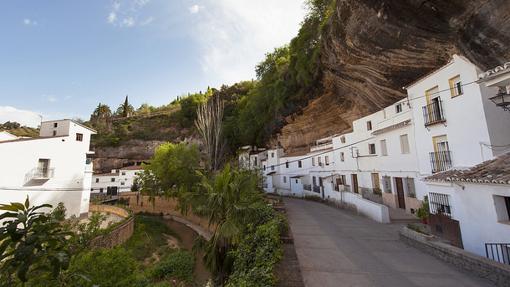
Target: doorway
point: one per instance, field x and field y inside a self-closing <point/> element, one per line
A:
<point x="400" y="192"/>
<point x="355" y="183"/>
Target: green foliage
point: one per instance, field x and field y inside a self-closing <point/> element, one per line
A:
<point x="423" y="212"/>
<point x="173" y="166"/>
<point x="31" y="243"/>
<point x="105" y="267"/>
<point x="177" y="265"/>
<point x="189" y="105"/>
<point x="256" y="256"/>
<point x="149" y="236"/>
<point x="17" y="129"/>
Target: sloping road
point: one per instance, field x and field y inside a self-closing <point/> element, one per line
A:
<point x="338" y="248"/>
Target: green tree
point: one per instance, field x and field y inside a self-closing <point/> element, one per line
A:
<point x="172" y="167"/>
<point x="32" y="243"/>
<point x="125" y="110"/>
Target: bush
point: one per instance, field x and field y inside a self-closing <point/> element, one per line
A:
<point x="105" y="267"/>
<point x="257" y="253"/>
<point x="177" y="265"/>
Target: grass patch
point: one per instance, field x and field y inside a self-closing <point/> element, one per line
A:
<point x="149" y="237"/>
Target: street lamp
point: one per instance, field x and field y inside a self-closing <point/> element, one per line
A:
<point x="502" y="99"/>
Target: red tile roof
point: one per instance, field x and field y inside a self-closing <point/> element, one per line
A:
<point x="496" y="171"/>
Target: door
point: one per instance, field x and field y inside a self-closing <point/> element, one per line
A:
<point x="376" y="185"/>
<point x="43" y="167"/>
<point x="441" y="153"/>
<point x="321" y="187"/>
<point x="355" y="183"/>
<point x="400" y="193"/>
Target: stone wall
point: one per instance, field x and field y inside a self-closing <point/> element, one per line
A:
<point x="164" y="206"/>
<point x="118" y="234"/>
<point x="497" y="273"/>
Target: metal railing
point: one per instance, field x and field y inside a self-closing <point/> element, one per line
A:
<point x="499" y="252"/>
<point x="317" y="189"/>
<point x="39" y="173"/>
<point x="440" y="161"/>
<point x="307" y="187"/>
<point x="433" y="113"/>
<point x="439" y="203"/>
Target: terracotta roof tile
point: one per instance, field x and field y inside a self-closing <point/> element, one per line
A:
<point x="496" y="171"/>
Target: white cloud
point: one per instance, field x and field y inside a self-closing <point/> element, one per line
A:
<point x="24" y="117"/>
<point x="50" y="98"/>
<point x="128" y="22"/>
<point x="234" y="36"/>
<point x="127" y="15"/>
<point x="112" y="17"/>
<point x="195" y="9"/>
<point x="29" y="22"/>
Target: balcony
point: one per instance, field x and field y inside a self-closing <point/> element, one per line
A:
<point x="39" y="174"/>
<point x="433" y="113"/>
<point x="440" y="161"/>
<point x="499" y="252"/>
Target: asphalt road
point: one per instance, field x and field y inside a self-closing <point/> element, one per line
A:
<point x="338" y="248"/>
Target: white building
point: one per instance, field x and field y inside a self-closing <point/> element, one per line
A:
<point x="118" y="180"/>
<point x="479" y="200"/>
<point x="50" y="169"/>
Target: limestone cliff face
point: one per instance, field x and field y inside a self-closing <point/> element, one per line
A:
<point x="372" y="48"/>
<point x="129" y="153"/>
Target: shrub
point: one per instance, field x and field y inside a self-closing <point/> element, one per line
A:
<point x="105" y="267"/>
<point x="177" y="265"/>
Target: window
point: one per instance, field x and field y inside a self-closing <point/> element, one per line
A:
<point x="342" y="156"/>
<point x="319" y="160"/>
<point x="455" y="86"/>
<point x="384" y="148"/>
<point x="398" y="108"/>
<point x="113" y="179"/>
<point x="79" y="137"/>
<point x="284" y="179"/>
<point x="272" y="167"/>
<point x="314" y="181"/>
<point x="97" y="180"/>
<point x="371" y="148"/>
<point x="439" y="203"/>
<point x="502" y="204"/>
<point x="122" y="183"/>
<point x="404" y="144"/>
<point x="55" y="125"/>
<point x="287" y="164"/>
<point x="43" y="167"/>
<point x="123" y="173"/>
<point x="369" y="125"/>
<point x="326" y="159"/>
<point x="272" y="154"/>
<point x="313" y="161"/>
<point x="386" y="181"/>
<point x="54" y="133"/>
<point x="300" y="165"/>
<point x="101" y="190"/>
<point x="264" y="167"/>
<point x="411" y="191"/>
<point x="342" y="139"/>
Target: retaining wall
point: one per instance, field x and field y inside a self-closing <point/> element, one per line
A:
<point x="165" y="206"/>
<point x="120" y="233"/>
<point x="497" y="273"/>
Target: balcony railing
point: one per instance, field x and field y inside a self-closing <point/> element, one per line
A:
<point x="39" y="174"/>
<point x="433" y="113"/>
<point x="499" y="252"/>
<point x="440" y="161"/>
<point x="307" y="187"/>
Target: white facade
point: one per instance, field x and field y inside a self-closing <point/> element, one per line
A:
<point x="49" y="169"/>
<point x="5" y="136"/>
<point x="456" y="129"/>
<point x="119" y="180"/>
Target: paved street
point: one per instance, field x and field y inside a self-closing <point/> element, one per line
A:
<point x="338" y="248"/>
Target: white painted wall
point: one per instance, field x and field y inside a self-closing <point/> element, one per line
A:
<point x="123" y="179"/>
<point x="70" y="180"/>
<point x="475" y="209"/>
<point x="469" y="117"/>
<point x="372" y="210"/>
<point x="5" y="136"/>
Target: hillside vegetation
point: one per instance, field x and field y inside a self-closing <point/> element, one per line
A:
<point x="19" y="130"/>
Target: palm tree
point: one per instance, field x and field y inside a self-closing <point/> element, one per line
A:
<point x="231" y="202"/>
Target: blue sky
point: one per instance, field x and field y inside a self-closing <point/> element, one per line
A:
<point x="59" y="59"/>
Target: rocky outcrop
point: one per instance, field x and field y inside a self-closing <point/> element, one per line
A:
<point x="128" y="153"/>
<point x="371" y="49"/>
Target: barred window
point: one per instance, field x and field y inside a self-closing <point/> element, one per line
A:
<point x="439" y="203"/>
